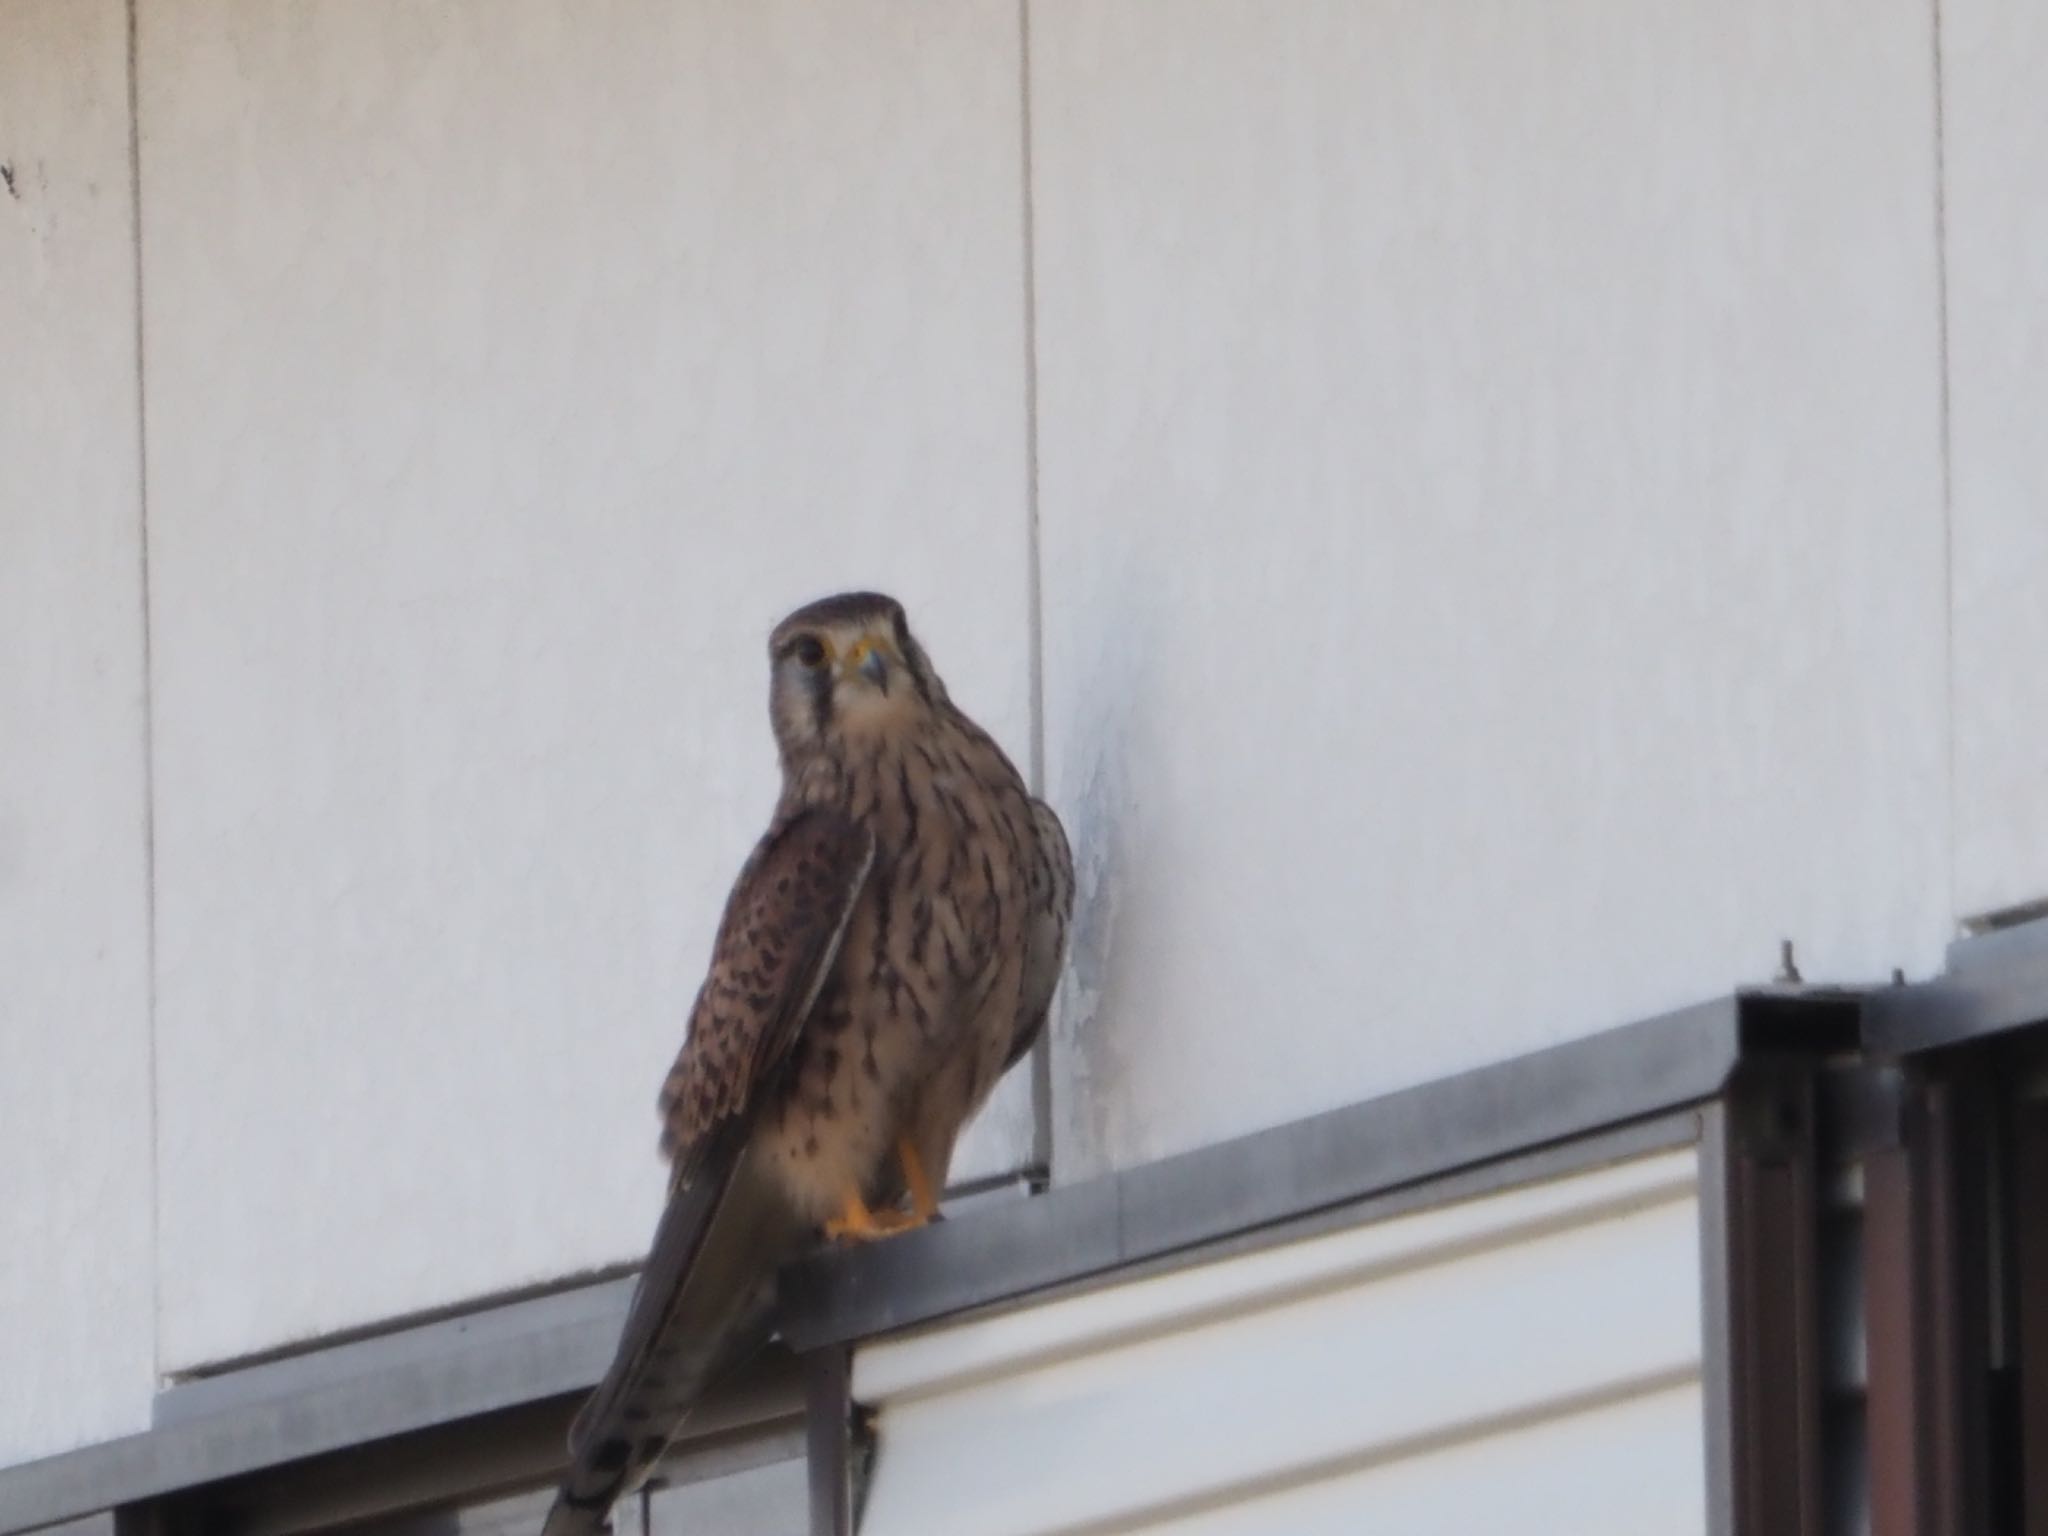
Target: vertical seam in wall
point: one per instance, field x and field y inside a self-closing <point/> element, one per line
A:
<point x="1041" y="1055"/>
<point x="1034" y="578"/>
<point x="1948" y="537"/>
<point x="148" y="687"/>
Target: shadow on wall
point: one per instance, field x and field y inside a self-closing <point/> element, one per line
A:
<point x="1107" y="704"/>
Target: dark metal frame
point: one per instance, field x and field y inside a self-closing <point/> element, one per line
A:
<point x="1956" y="1253"/>
<point x="1996" y="988"/>
<point x="830" y="1440"/>
<point x="1761" y="1231"/>
<point x="2028" y="1194"/>
<point x="453" y="1407"/>
<point x="1928" y="1347"/>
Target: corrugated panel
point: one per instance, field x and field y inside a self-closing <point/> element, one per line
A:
<point x="1642" y="1448"/>
<point x="1535" y="1351"/>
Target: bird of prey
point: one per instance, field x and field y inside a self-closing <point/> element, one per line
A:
<point x="889" y="949"/>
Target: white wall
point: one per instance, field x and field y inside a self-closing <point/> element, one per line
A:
<point x="1491" y="494"/>
<point x="512" y="368"/>
<point x="76" y="1346"/>
<point x="1995" y="141"/>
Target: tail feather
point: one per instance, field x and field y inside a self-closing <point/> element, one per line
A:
<point x="704" y="1299"/>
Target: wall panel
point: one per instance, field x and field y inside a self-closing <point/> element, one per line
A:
<point x="77" y="1340"/>
<point x="513" y="367"/>
<point x="1491" y="503"/>
<point x="1995" y="143"/>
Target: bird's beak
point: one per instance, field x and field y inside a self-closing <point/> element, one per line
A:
<point x="876" y="670"/>
<point x="871" y="662"/>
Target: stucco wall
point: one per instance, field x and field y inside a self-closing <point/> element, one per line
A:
<point x="512" y="368"/>
<point x="1995" y="144"/>
<point x="77" y="1354"/>
<point x="1490" y="465"/>
<point x="1466" y="484"/>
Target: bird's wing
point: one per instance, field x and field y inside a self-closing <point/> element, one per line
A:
<point x="776" y="943"/>
<point x="711" y="1268"/>
<point x="1052" y="906"/>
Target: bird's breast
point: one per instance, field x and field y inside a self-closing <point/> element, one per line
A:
<point x="922" y="951"/>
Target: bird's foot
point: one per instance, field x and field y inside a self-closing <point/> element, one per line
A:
<point x="857" y="1224"/>
<point x="923" y="1199"/>
<point x="879" y="1224"/>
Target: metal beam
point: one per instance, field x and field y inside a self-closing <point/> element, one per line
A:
<point x="1272" y="1177"/>
<point x="1927" y="1330"/>
<point x="828" y="1433"/>
<point x="327" y="1400"/>
<point x="1997" y="983"/>
<point x="1760" y="1246"/>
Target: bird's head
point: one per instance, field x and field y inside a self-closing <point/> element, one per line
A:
<point x="845" y="667"/>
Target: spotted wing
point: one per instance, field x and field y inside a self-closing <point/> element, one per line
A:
<point x="710" y="1271"/>
<point x="775" y="947"/>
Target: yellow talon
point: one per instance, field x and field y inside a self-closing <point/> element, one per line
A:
<point x="857" y="1224"/>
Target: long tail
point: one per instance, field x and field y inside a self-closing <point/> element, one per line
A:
<point x="703" y="1300"/>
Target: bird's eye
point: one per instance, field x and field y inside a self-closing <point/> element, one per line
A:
<point x="810" y="650"/>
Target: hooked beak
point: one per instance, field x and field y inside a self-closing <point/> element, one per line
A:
<point x="872" y="663"/>
<point x="876" y="670"/>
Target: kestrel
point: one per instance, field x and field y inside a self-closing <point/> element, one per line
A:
<point x="889" y="949"/>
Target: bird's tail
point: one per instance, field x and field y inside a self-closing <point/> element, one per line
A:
<point x="703" y="1300"/>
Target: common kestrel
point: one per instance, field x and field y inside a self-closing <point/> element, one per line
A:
<point x="888" y="950"/>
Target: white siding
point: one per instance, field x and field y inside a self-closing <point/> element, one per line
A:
<point x="758" y="1498"/>
<point x="1492" y="528"/>
<point x="1995" y="77"/>
<point x="1621" y="1469"/>
<point x="1468" y="1361"/>
<point x="513" y="365"/>
<point x="77" y="1351"/>
<point x="773" y="1499"/>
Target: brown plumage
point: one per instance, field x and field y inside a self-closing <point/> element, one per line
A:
<point x="890" y="948"/>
